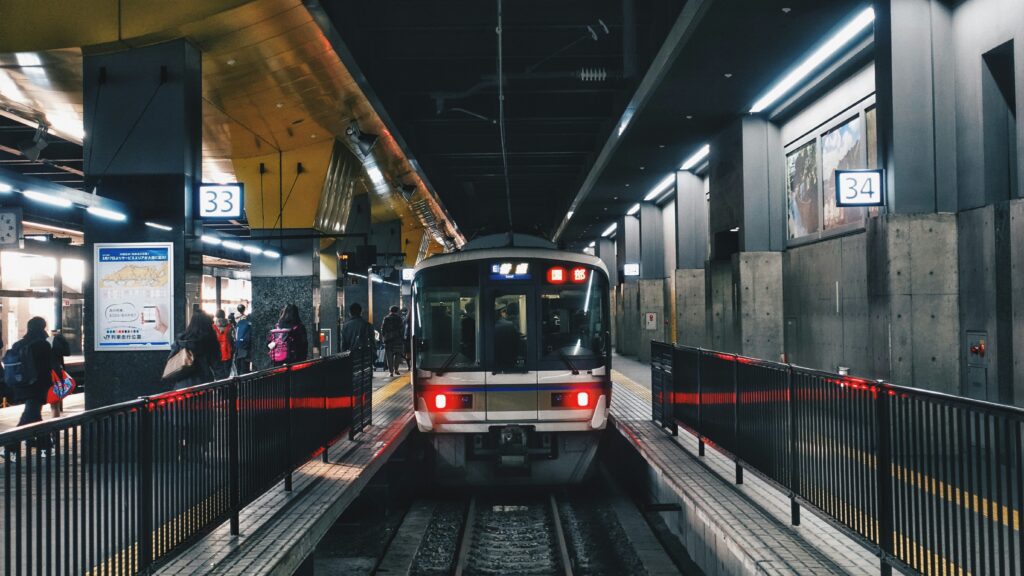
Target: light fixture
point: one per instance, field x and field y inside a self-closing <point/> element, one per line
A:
<point x="210" y="239"/>
<point x="362" y="142"/>
<point x="592" y="244"/>
<point x="660" y="187"/>
<point x="231" y="245"/>
<point x="633" y="209"/>
<point x="106" y="213"/>
<point x="31" y="149"/>
<point x="47" y="199"/>
<point x="5" y="188"/>
<point x="375" y="176"/>
<point x="271" y="254"/>
<point x="252" y="250"/>
<point x="822" y="54"/>
<point x="610" y="230"/>
<point x="568" y="215"/>
<point x="159" y="226"/>
<point x="698" y="157"/>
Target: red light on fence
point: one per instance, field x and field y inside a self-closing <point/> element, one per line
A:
<point x="440" y="401"/>
<point x="556" y="275"/>
<point x="579" y="275"/>
<point x="583" y="399"/>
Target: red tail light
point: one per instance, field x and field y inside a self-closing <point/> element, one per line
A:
<point x="440" y="401"/>
<point x="583" y="399"/>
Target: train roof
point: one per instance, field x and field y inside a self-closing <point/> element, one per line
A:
<point x="474" y="255"/>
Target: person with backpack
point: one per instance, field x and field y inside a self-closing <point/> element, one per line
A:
<point x="243" y="342"/>
<point x="225" y="343"/>
<point x="200" y="340"/>
<point x="391" y="333"/>
<point x="27" y="373"/>
<point x="357" y="333"/>
<point x="287" y="342"/>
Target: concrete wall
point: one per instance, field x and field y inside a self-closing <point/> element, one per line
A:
<point x="691" y="318"/>
<point x="826" y="305"/>
<point x="720" y="317"/>
<point x="652" y="299"/>
<point x="759" y="303"/>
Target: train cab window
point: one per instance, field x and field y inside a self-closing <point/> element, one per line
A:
<point x="447" y="320"/>
<point x="509" y="340"/>
<point x="573" y="324"/>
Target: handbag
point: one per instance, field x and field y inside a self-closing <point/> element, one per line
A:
<point x="63" y="384"/>
<point x="179" y="365"/>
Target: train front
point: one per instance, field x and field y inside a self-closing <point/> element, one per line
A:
<point x="512" y="365"/>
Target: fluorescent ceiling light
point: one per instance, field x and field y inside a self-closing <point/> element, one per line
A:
<point x="633" y="209"/>
<point x="363" y="276"/>
<point x="5" y="188"/>
<point x="47" y="199"/>
<point x="210" y="239"/>
<point x="822" y="54"/>
<point x="569" y="215"/>
<point x="611" y="229"/>
<point x="592" y="244"/>
<point x="665" y="184"/>
<point x="271" y="254"/>
<point x="252" y="250"/>
<point x="231" y="245"/>
<point x="698" y="157"/>
<point x="159" y="226"/>
<point x="105" y="213"/>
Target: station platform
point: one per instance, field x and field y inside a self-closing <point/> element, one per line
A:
<point x="726" y="528"/>
<point x="281" y="529"/>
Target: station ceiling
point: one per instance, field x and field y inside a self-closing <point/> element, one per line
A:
<point x="569" y="70"/>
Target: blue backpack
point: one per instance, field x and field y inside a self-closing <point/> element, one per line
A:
<point x="243" y="335"/>
<point x="19" y="369"/>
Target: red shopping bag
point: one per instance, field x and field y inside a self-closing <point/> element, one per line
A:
<point x="63" y="385"/>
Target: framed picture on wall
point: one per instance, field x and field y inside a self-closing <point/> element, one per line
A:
<point x="803" y="195"/>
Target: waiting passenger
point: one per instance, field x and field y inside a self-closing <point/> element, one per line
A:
<point x="243" y="342"/>
<point x="391" y="333"/>
<point x="199" y="339"/>
<point x="27" y="375"/>
<point x="225" y="342"/>
<point x="288" y="342"/>
<point x="357" y="333"/>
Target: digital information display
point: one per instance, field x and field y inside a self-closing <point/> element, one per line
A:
<point x="221" y="200"/>
<point x="631" y="270"/>
<point x="510" y="271"/>
<point x="860" y="188"/>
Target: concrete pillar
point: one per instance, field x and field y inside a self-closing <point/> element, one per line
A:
<point x="652" y="242"/>
<point x="143" y="118"/>
<point x="914" y="79"/>
<point x="758" y="299"/>
<point x="692" y="254"/>
<point x="605" y="250"/>
<point x="627" y="244"/>
<point x="627" y="251"/>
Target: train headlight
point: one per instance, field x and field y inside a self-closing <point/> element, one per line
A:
<point x="440" y="401"/>
<point x="583" y="399"/>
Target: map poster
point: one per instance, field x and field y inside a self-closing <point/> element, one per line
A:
<point x="134" y="296"/>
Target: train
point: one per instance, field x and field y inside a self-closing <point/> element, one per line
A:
<point x="511" y="361"/>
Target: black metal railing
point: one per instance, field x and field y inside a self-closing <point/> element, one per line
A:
<point x="113" y="490"/>
<point x="929" y="482"/>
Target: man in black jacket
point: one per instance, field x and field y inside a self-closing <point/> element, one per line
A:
<point x="34" y="395"/>
<point x="357" y="333"/>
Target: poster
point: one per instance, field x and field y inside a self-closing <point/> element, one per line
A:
<point x="134" y="296"/>
<point x="841" y="149"/>
<point x="802" y="169"/>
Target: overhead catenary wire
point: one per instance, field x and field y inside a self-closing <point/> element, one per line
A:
<point x="501" y="120"/>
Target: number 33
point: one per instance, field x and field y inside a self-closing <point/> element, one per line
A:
<point x="220" y="201"/>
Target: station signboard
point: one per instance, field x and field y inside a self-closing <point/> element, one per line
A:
<point x="860" y="188"/>
<point x="133" y="293"/>
<point x="221" y="201"/>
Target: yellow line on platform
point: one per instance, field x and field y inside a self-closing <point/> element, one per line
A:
<point x="632" y="385"/>
<point x="390" y="389"/>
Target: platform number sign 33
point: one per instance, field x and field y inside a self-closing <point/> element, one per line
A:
<point x="860" y="188"/>
<point x="221" y="200"/>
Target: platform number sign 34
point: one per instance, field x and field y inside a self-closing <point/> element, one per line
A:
<point x="860" y="188"/>
<point x="221" y="200"/>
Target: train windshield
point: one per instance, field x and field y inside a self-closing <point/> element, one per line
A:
<point x="572" y="321"/>
<point x="448" y="317"/>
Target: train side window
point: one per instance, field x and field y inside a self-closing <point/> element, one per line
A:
<point x="510" y="332"/>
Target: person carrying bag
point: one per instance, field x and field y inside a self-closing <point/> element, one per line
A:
<point x="193" y="353"/>
<point x="287" y="341"/>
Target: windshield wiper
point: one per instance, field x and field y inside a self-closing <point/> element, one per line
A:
<point x="447" y="362"/>
<point x="568" y="362"/>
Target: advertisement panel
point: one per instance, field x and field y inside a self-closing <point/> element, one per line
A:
<point x="134" y="296"/>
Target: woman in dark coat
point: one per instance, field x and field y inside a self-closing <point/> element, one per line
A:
<point x="200" y="338"/>
<point x="297" y="340"/>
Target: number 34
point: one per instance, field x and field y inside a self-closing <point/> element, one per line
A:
<point x="855" y="189"/>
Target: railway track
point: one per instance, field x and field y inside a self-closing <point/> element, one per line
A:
<point x="522" y="538"/>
